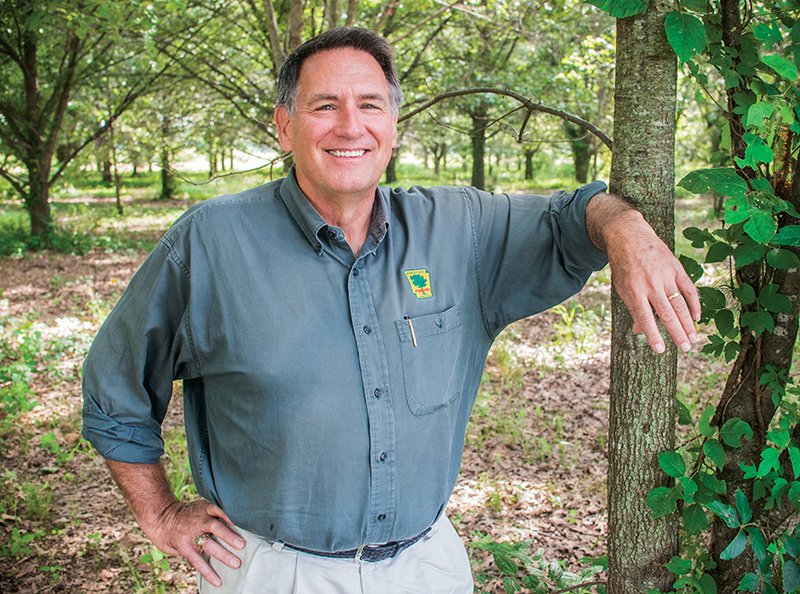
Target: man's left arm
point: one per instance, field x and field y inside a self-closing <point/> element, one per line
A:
<point x="645" y="273"/>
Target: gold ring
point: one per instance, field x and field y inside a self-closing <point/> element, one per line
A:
<point x="674" y="295"/>
<point x="202" y="539"/>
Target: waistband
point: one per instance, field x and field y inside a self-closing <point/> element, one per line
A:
<point x="371" y="553"/>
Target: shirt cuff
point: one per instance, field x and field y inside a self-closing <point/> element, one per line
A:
<point x="118" y="441"/>
<point x="573" y="223"/>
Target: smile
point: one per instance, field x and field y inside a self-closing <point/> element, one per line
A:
<point x="355" y="153"/>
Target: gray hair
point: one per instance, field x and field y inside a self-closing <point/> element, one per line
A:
<point x="342" y="37"/>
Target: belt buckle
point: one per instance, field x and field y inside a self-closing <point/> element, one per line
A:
<point x="359" y="552"/>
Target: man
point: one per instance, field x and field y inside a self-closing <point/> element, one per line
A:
<point x="331" y="337"/>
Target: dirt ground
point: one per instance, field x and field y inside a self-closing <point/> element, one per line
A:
<point x="534" y="466"/>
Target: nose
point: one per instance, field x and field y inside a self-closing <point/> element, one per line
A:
<point x="348" y="122"/>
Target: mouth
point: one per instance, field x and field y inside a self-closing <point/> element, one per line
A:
<point x="349" y="154"/>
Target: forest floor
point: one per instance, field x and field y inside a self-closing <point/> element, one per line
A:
<point x="534" y="466"/>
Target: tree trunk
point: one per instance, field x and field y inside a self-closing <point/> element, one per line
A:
<point x="529" y="163"/>
<point x="167" y="179"/>
<point x="105" y="173"/>
<point x="480" y="119"/>
<point x="582" y="150"/>
<point x="38" y="199"/>
<point x="642" y="413"/>
<point x="391" y="169"/>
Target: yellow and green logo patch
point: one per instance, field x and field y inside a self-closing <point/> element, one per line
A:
<point x="420" y="281"/>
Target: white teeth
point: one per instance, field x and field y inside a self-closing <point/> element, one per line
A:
<point x="347" y="153"/>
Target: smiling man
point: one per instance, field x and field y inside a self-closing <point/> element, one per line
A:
<point x="331" y="335"/>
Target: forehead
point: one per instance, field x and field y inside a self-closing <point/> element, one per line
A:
<point x="335" y="70"/>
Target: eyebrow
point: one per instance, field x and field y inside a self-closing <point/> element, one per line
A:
<point x="365" y="96"/>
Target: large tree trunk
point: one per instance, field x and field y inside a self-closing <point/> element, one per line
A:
<point x="642" y="414"/>
<point x="38" y="199"/>
<point x="480" y="119"/>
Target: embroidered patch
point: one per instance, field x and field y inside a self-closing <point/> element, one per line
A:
<point x="420" y="281"/>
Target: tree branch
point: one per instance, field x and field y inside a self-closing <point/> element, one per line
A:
<point x="527" y="103"/>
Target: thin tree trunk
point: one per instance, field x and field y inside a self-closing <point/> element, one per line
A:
<point x="480" y="119"/>
<point x="167" y="179"/>
<point x="391" y="169"/>
<point x="117" y="178"/>
<point x="642" y="414"/>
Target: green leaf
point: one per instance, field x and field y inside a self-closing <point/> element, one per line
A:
<point x="711" y="298"/>
<point x="672" y="463"/>
<point x="735" y="548"/>
<point x="743" y="507"/>
<point x="694" y="519"/>
<point x="758" y="321"/>
<point x="689" y="488"/>
<point x="757" y="542"/>
<point x="780" y="437"/>
<point x="662" y="500"/>
<point x="726" y="513"/>
<point x="715" y="452"/>
<point x="749" y="583"/>
<point x="724" y="321"/>
<point x="769" y="34"/>
<point x="769" y="462"/>
<point x="685" y="34"/>
<point x="791" y="576"/>
<point x="773" y="301"/>
<point x="620" y="8"/>
<point x="789" y="235"/>
<point x="684" y="414"/>
<point x="758" y="114"/>
<point x="794" y="457"/>
<point x="748" y="252"/>
<point x="706" y="430"/>
<point x="505" y="563"/>
<point x="745" y="294"/>
<point x="792" y="546"/>
<point x="679" y="565"/>
<point x="783" y="259"/>
<point x="707" y="584"/>
<point x="733" y="431"/>
<point x="762" y="226"/>
<point x="731" y="351"/>
<point x="718" y="252"/>
<point x="723" y="180"/>
<point x="737" y="209"/>
<point x="785" y="68"/>
<point x="692" y="268"/>
<point x="757" y="151"/>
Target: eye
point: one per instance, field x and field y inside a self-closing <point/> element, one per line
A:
<point x="325" y="107"/>
<point x="370" y="106"/>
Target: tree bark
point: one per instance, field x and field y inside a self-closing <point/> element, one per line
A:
<point x="642" y="414"/>
<point x="167" y="179"/>
<point x="582" y="150"/>
<point x="480" y="119"/>
<point x="391" y="169"/>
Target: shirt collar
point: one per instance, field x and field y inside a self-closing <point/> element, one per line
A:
<point x="312" y="224"/>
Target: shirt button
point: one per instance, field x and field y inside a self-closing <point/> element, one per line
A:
<point x="355" y="272"/>
<point x="382" y="457"/>
<point x="381" y="517"/>
<point x="367" y="329"/>
<point x="331" y="233"/>
<point x="377" y="392"/>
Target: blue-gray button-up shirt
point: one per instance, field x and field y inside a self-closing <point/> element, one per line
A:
<point x="326" y="396"/>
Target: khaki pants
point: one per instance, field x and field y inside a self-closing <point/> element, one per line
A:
<point x="436" y="564"/>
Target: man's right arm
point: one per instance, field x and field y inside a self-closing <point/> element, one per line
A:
<point x="173" y="526"/>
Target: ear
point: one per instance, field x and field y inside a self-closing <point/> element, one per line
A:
<point x="283" y="122"/>
<point x="394" y="131"/>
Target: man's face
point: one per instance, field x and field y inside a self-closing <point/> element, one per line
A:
<point x="343" y="131"/>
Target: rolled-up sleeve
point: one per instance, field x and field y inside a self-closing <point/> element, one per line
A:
<point x="144" y="344"/>
<point x="532" y="252"/>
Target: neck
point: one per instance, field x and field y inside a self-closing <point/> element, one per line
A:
<point x="351" y="216"/>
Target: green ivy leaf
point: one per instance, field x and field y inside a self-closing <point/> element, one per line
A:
<point x="794" y="457"/>
<point x="762" y="226"/>
<point x="505" y="563"/>
<point x="780" y="437"/>
<point x="718" y="252"/>
<point x="689" y="489"/>
<point x="749" y="252"/>
<point x="794" y="494"/>
<point x="745" y="294"/>
<point x="672" y="463"/>
<point x="791" y="576"/>
<point x="679" y="565"/>
<point x="769" y="34"/>
<point x="724" y="321"/>
<point x="723" y="180"/>
<point x="769" y="462"/>
<point x="758" y="114"/>
<point x="707" y="584"/>
<point x="734" y="431"/>
<point x="715" y="452"/>
<point x="792" y="546"/>
<point x="782" y="259"/>
<point x="749" y="583"/>
<point x="620" y="8"/>
<point x="712" y="299"/>
<point x="706" y="430"/>
<point x="757" y="542"/>
<point x="773" y="301"/>
<point x="694" y="519"/>
<point x="731" y="351"/>
<point x="735" y="548"/>
<point x="785" y="68"/>
<point x="692" y="268"/>
<point x="743" y="507"/>
<point x="684" y="414"/>
<point x="737" y="209"/>
<point x="686" y="34"/>
<point x="789" y="235"/>
<point x="726" y="513"/>
<point x="662" y="501"/>
<point x="757" y="151"/>
<point x="758" y="321"/>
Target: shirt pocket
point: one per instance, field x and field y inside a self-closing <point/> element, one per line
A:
<point x="431" y="347"/>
